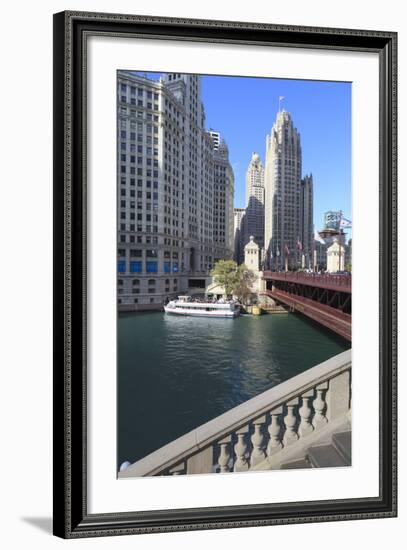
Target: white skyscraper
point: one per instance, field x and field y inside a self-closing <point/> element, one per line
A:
<point x="239" y="219"/>
<point x="223" y="196"/>
<point x="254" y="217"/>
<point x="282" y="230"/>
<point x="166" y="194"/>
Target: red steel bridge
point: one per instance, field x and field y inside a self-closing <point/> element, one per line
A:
<point x="327" y="299"/>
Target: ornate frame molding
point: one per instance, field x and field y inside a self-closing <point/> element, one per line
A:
<point x="71" y="30"/>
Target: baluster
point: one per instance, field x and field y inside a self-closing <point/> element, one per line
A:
<point x="338" y="397"/>
<point x="224" y="455"/>
<point x="290" y="421"/>
<point x="241" y="449"/>
<point x="201" y="462"/>
<point x="319" y="405"/>
<point x="274" y="430"/>
<point x="305" y="413"/>
<point x="177" y="470"/>
<point x="258" y="454"/>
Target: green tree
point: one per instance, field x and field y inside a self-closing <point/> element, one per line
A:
<point x="235" y="279"/>
<point x="348" y="266"/>
<point x="225" y="274"/>
<point x="243" y="288"/>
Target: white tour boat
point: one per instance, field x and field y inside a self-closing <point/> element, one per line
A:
<point x="185" y="306"/>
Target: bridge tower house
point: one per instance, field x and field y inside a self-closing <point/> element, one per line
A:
<point x="252" y="256"/>
<point x="335" y="257"/>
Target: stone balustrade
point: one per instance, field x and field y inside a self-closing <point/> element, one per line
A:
<point x="254" y="434"/>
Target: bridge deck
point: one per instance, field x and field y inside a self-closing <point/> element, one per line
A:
<point x="339" y="283"/>
<point x="330" y="317"/>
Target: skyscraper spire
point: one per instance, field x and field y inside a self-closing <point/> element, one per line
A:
<point x="280" y="99"/>
<point x="254" y="217"/>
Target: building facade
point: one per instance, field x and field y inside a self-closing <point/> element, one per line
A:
<point x="283" y="194"/>
<point x="239" y="223"/>
<point x="254" y="220"/>
<point x="320" y="258"/>
<point x="306" y="220"/>
<point x="223" y="213"/>
<point x="166" y="199"/>
<point x="216" y="139"/>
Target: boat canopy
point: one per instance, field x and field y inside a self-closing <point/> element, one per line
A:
<point x="184" y="298"/>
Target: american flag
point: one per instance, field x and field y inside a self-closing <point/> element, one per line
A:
<point x="344" y="223"/>
<point x="318" y="238"/>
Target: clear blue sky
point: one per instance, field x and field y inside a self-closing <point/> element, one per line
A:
<point x="244" y="110"/>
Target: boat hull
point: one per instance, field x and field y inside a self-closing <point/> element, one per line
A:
<point x="198" y="313"/>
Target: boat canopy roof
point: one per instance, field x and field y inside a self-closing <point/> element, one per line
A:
<point x="184" y="298"/>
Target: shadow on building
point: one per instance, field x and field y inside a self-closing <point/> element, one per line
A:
<point x="251" y="225"/>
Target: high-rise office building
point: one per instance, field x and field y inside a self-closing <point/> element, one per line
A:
<point x="223" y="215"/>
<point x="239" y="221"/>
<point x="165" y="188"/>
<point x="283" y="193"/>
<point x="254" y="218"/>
<point x="320" y="258"/>
<point x="332" y="219"/>
<point x="306" y="220"/>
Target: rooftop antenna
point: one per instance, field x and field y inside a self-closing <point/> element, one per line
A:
<point x="280" y="99"/>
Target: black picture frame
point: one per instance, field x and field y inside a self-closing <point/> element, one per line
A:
<point x="71" y="518"/>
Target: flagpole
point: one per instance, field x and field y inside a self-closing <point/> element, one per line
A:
<point x="313" y="250"/>
<point x="296" y="256"/>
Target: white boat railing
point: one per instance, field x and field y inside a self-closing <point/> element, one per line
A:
<point x="255" y="431"/>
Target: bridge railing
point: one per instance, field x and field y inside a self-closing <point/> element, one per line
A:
<point x="256" y="430"/>
<point x="315" y="279"/>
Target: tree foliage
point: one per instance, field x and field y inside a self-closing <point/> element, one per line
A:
<point x="235" y="279"/>
<point x="243" y="289"/>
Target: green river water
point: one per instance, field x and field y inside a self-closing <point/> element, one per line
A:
<point x="175" y="373"/>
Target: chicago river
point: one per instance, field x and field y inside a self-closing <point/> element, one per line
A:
<point x="175" y="373"/>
